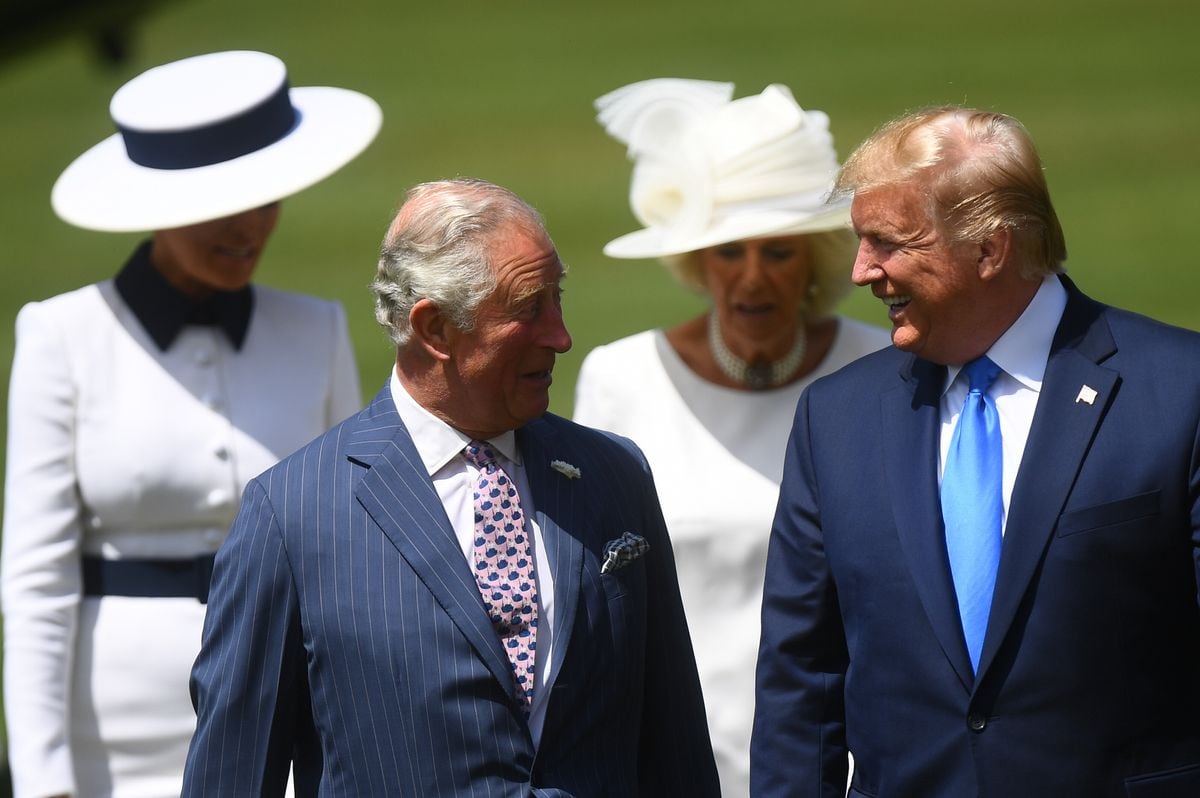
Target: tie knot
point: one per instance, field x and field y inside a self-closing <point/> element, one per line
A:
<point x="480" y="454"/>
<point x="982" y="373"/>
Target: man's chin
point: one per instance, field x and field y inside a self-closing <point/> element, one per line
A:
<point x="532" y="408"/>
<point x="905" y="340"/>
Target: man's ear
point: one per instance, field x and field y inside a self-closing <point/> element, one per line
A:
<point x="430" y="329"/>
<point x="994" y="253"/>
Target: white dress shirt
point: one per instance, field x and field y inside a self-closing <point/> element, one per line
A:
<point x="1021" y="353"/>
<point x="440" y="447"/>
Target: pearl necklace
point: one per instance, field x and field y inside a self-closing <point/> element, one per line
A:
<point x="756" y="376"/>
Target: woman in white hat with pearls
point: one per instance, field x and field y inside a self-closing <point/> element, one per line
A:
<point x="733" y="198"/>
<point x="139" y="406"/>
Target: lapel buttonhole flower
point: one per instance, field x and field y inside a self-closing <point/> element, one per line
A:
<point x="566" y="469"/>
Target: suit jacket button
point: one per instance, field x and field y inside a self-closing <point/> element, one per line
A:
<point x="976" y="722"/>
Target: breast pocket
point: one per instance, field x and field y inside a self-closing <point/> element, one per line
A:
<point x="616" y="585"/>
<point x="624" y="598"/>
<point x="1109" y="515"/>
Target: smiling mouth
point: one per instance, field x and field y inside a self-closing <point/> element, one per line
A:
<point x="236" y="252"/>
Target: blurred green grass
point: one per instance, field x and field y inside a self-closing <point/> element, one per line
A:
<point x="503" y="91"/>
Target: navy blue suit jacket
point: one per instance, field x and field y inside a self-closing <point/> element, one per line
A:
<point x="1089" y="682"/>
<point x="345" y="631"/>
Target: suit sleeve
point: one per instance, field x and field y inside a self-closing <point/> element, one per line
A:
<point x="41" y="557"/>
<point x="798" y="746"/>
<point x="248" y="684"/>
<point x="675" y="754"/>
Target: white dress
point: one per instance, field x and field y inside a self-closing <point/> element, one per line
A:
<point x="717" y="456"/>
<point x="119" y="449"/>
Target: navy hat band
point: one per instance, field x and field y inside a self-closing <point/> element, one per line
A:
<point x="247" y="132"/>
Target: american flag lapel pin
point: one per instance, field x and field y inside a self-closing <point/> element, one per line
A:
<point x="1086" y="394"/>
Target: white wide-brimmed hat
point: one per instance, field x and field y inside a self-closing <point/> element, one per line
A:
<point x="211" y="136"/>
<point x="709" y="169"/>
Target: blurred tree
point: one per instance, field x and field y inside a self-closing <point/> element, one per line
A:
<point x="28" y="24"/>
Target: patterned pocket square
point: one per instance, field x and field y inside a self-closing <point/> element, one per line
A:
<point x="622" y="551"/>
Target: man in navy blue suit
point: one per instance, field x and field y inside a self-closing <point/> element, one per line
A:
<point x="454" y="592"/>
<point x="982" y="572"/>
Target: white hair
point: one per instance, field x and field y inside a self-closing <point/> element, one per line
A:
<point x="436" y="248"/>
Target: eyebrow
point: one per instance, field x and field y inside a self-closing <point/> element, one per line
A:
<point x="878" y="230"/>
<point x="534" y="290"/>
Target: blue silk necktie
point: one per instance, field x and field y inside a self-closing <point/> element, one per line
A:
<point x="972" y="504"/>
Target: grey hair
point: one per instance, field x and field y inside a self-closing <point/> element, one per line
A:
<point x="436" y="248"/>
<point x="830" y="258"/>
<point x="980" y="172"/>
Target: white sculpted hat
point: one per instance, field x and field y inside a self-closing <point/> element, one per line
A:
<point x="709" y="169"/>
<point x="211" y="136"/>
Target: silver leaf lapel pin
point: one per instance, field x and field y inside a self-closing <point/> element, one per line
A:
<point x="566" y="469"/>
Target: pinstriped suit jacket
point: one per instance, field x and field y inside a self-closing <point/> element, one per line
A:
<point x="345" y="632"/>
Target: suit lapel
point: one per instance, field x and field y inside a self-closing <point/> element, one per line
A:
<point x="553" y="498"/>
<point x="399" y="496"/>
<point x="911" y="413"/>
<point x="1062" y="430"/>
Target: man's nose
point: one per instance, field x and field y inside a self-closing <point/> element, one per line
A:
<point x="866" y="268"/>
<point x="556" y="335"/>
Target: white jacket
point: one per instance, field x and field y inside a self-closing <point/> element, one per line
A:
<point x="118" y="449"/>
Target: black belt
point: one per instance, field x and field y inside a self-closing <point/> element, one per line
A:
<point x="148" y="578"/>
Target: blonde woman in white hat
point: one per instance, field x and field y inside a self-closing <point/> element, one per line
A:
<point x="140" y="406"/>
<point x="732" y="194"/>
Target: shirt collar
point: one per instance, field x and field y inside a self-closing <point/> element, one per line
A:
<point x="164" y="311"/>
<point x="1024" y="348"/>
<point x="437" y="442"/>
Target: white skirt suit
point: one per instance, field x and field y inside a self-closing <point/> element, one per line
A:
<point x="717" y="457"/>
<point x="120" y="450"/>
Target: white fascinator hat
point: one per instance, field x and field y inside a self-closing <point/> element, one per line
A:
<point x="211" y="136"/>
<point x="709" y="169"/>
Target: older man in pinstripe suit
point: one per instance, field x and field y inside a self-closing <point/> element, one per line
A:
<point x="381" y="623"/>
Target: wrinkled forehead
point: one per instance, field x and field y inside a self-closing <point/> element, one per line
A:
<point x="893" y="205"/>
<point x="549" y="278"/>
<point x="525" y="262"/>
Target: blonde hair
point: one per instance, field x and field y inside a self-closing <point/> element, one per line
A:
<point x="830" y="259"/>
<point x="980" y="172"/>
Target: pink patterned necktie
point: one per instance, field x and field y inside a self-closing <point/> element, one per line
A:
<point x="503" y="561"/>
